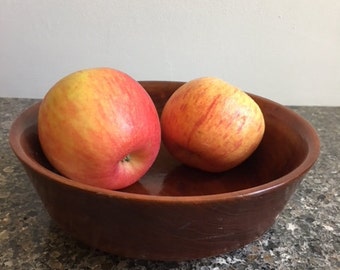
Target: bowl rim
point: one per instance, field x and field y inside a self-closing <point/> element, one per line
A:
<point x="313" y="144"/>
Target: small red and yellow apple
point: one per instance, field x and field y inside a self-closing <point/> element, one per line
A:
<point x="211" y="125"/>
<point x="99" y="127"/>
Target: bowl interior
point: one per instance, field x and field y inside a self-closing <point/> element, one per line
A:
<point x="289" y="145"/>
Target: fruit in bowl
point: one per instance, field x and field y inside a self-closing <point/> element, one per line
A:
<point x="100" y="127"/>
<point x="176" y="212"/>
<point x="211" y="125"/>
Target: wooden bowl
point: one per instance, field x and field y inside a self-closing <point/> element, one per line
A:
<point x="174" y="212"/>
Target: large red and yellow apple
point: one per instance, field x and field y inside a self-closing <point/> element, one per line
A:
<point x="99" y="127"/>
<point x="211" y="125"/>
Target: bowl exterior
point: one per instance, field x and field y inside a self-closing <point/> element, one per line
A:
<point x="171" y="230"/>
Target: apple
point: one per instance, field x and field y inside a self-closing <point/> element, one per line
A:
<point x="211" y="125"/>
<point x="99" y="127"/>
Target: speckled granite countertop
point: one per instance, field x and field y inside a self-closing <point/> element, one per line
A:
<point x="305" y="236"/>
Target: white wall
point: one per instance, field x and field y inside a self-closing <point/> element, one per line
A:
<point x="285" y="50"/>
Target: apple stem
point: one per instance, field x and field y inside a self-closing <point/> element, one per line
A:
<point x="126" y="159"/>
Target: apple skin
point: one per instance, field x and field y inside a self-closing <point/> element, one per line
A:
<point x="99" y="127"/>
<point x="211" y="125"/>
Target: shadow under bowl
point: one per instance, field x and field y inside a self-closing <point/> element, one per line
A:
<point x="175" y="212"/>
